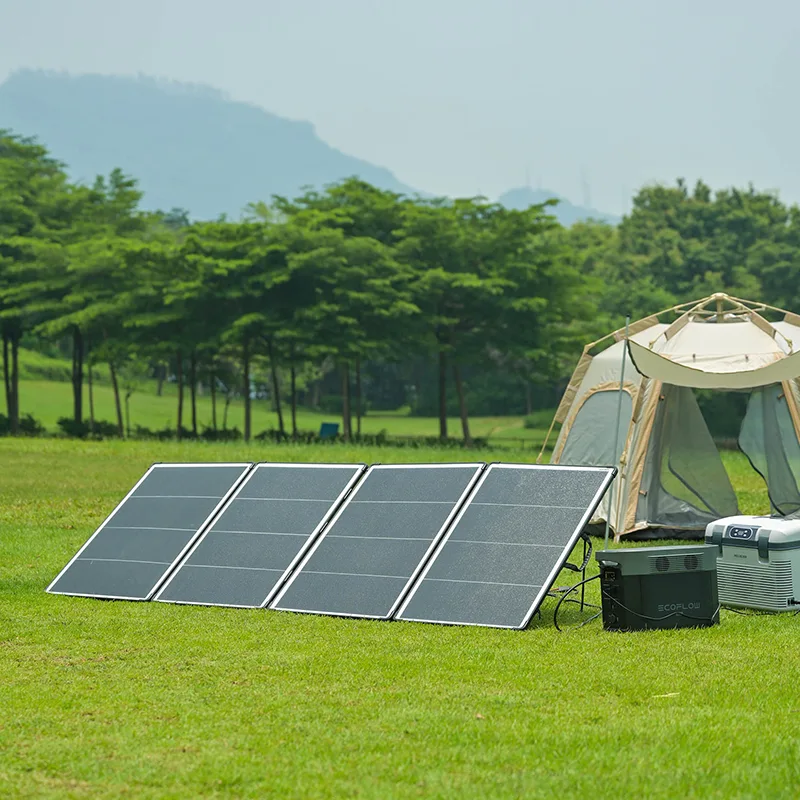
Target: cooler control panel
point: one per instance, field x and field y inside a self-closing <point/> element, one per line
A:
<point x="742" y="533"/>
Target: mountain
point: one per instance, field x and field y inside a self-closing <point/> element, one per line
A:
<point x="565" y="212"/>
<point x="189" y="146"/>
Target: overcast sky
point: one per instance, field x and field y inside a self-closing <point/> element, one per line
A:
<point x="458" y="97"/>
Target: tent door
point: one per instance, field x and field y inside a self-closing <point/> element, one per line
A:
<point x="685" y="485"/>
<point x="768" y="439"/>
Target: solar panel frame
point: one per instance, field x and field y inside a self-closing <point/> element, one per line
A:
<point x="246" y="468"/>
<point x="359" y="472"/>
<point x="552" y="575"/>
<point x="478" y="467"/>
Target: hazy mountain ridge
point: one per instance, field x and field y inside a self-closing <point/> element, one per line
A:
<point x="190" y="145"/>
<point x="567" y="212"/>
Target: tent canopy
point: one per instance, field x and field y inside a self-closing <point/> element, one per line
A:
<point x="671" y="474"/>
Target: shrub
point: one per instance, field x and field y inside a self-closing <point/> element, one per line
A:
<point x="219" y="435"/>
<point x="380" y="439"/>
<point x="28" y="426"/>
<point x="83" y="430"/>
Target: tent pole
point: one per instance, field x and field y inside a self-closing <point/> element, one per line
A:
<point x="616" y="431"/>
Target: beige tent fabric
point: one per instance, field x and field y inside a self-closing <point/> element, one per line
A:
<point x="717" y="371"/>
<point x="719" y="342"/>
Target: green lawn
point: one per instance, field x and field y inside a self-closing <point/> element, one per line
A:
<point x="49" y="400"/>
<point x="111" y="699"/>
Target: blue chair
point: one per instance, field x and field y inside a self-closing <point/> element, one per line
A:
<point x="328" y="430"/>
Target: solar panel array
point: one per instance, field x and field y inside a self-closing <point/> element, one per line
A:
<point x="130" y="553"/>
<point x="447" y="543"/>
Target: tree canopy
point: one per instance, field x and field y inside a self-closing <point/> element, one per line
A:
<point x="354" y="297"/>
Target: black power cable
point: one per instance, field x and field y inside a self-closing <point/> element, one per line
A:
<point x="566" y="594"/>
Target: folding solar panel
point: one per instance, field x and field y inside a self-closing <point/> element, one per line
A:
<point x="129" y="555"/>
<point x="377" y="543"/>
<point x="505" y="548"/>
<point x="260" y="535"/>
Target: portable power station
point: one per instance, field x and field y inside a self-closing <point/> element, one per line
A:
<point x="646" y="588"/>
<point x="758" y="561"/>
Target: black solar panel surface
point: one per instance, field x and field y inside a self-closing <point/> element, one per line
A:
<point x="260" y="535"/>
<point x="367" y="557"/>
<point x="501" y="555"/>
<point x="135" y="548"/>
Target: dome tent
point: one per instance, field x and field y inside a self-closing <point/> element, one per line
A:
<point x="671" y="477"/>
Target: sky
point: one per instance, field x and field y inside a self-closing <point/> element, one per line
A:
<point x="588" y="98"/>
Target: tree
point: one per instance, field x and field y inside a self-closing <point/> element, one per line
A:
<point x="473" y="263"/>
<point x="34" y="213"/>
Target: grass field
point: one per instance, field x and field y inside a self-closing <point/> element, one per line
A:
<point x="48" y="400"/>
<point x="111" y="699"/>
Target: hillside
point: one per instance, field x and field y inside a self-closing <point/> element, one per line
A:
<point x="566" y="212"/>
<point x="193" y="147"/>
<point x="190" y="146"/>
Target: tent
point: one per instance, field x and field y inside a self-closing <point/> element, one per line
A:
<point x="671" y="479"/>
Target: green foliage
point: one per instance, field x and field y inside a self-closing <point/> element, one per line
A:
<point x="99" y="429"/>
<point x="28" y="426"/>
<point x="349" y="299"/>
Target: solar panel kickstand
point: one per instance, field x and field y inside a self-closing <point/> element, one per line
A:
<point x="587" y="554"/>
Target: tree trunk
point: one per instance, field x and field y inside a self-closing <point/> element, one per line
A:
<point x="462" y="405"/>
<point x="347" y="430"/>
<point x="315" y="393"/>
<point x="193" y="389"/>
<point x="225" y="412"/>
<point x="162" y="371"/>
<point x="90" y="381"/>
<point x="14" y="415"/>
<point x="77" y="375"/>
<point x="293" y="378"/>
<point x="212" y="379"/>
<point x="117" y="403"/>
<point x="528" y="398"/>
<point x="246" y="390"/>
<point x="358" y="397"/>
<point x="276" y="389"/>
<point x="442" y="395"/>
<point x="128" y="414"/>
<point x="6" y="375"/>
<point x="179" y="376"/>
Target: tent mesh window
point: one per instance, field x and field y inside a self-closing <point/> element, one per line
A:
<point x="768" y="439"/>
<point x="590" y="441"/>
<point x="685" y="485"/>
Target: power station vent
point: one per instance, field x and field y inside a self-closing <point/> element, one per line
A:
<point x="676" y="563"/>
<point x="763" y="585"/>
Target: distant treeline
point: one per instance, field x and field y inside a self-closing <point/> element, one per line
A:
<point x="353" y="297"/>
